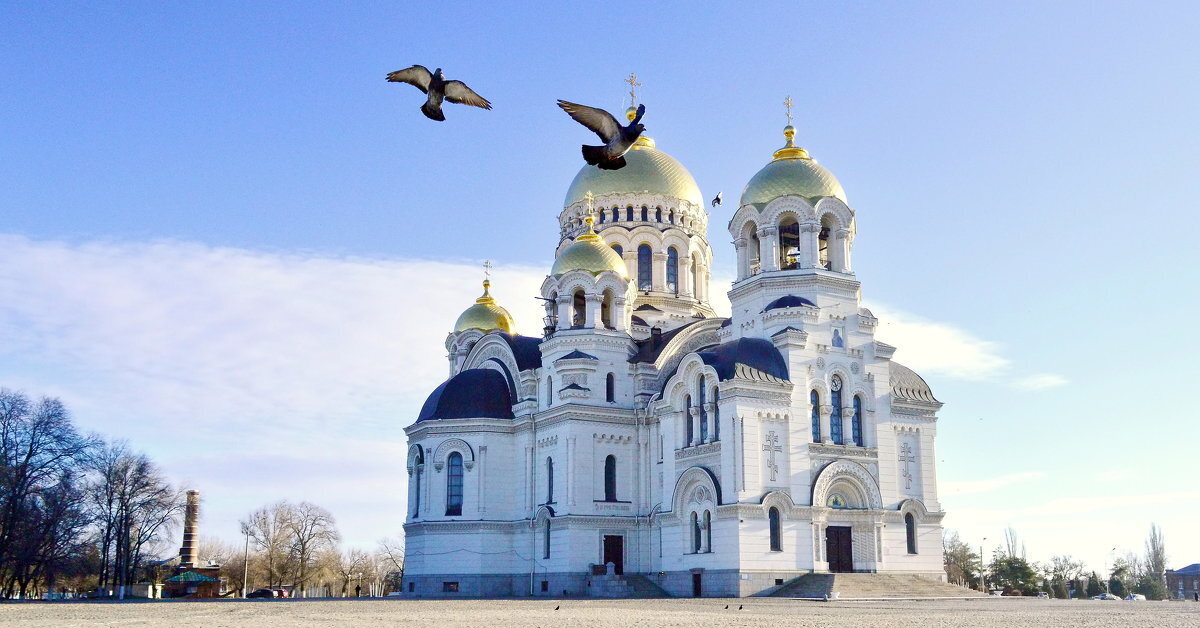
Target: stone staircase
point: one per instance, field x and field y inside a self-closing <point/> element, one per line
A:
<point x="851" y="586"/>
<point x="644" y="588"/>
<point x="626" y="586"/>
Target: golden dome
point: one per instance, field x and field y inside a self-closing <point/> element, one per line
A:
<point x="485" y="315"/>
<point x="589" y="252"/>
<point x="793" y="173"/>
<point x="647" y="169"/>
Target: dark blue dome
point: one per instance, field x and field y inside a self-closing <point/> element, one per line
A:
<point x="790" y="300"/>
<point x="756" y="353"/>
<point x="473" y="393"/>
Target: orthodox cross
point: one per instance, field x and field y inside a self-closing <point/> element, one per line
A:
<point x="905" y="458"/>
<point x="589" y="198"/>
<point x="772" y="446"/>
<point x="633" y="85"/>
<point x="487" y="269"/>
<point x="787" y="102"/>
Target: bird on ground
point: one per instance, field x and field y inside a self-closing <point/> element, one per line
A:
<point x="739" y="607"/>
<point x="726" y="607"/>
<point x="438" y="89"/>
<point x="716" y="200"/>
<point x="617" y="139"/>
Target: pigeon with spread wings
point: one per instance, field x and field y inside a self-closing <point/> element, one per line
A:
<point x="617" y="139"/>
<point x="438" y="89"/>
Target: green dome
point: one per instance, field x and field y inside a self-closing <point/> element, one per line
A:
<point x="791" y="173"/>
<point x="647" y="169"/>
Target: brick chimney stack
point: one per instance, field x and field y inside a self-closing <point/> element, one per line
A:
<point x="191" y="518"/>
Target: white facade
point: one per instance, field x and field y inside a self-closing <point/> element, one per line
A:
<point x="645" y="432"/>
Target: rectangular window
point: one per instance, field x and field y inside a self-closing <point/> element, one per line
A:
<point x="411" y="586"/>
<point x="449" y="587"/>
<point x="778" y="581"/>
<point x="545" y="586"/>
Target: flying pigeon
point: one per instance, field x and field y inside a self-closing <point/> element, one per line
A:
<point x="716" y="199"/>
<point x="438" y="89"/>
<point x="617" y="139"/>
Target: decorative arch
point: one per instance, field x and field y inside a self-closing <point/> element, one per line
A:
<point x="415" y="453"/>
<point x="451" y="445"/>
<point x="686" y="488"/>
<point x="795" y="205"/>
<point x="780" y="500"/>
<point x="845" y="475"/>
<point x="914" y="507"/>
<point x="832" y="206"/>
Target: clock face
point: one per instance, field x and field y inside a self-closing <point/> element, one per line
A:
<point x="836" y="383"/>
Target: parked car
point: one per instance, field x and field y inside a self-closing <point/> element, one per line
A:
<point x="1042" y="595"/>
<point x="1105" y="596"/>
<point x="1136" y="597"/>
<point x="264" y="593"/>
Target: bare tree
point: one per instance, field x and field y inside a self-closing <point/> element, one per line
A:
<point x="312" y="530"/>
<point x="391" y="557"/>
<point x="269" y="528"/>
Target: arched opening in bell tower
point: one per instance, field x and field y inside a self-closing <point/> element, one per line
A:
<point x="789" y="243"/>
<point x="578" y="309"/>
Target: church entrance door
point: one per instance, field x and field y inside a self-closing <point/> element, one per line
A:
<point x="614" y="552"/>
<point x="697" y="585"/>
<point x="838" y="549"/>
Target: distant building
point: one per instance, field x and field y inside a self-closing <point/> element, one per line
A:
<point x="191" y="580"/>
<point x="1184" y="584"/>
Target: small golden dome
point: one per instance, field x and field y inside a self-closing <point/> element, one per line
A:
<point x="485" y="315"/>
<point x="792" y="172"/>
<point x="588" y="252"/>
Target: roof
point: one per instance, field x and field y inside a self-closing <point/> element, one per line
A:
<point x="191" y="576"/>
<point x="756" y="353"/>
<point x="790" y="300"/>
<point x="473" y="393"/>
<point x="1191" y="570"/>
<point x="647" y="170"/>
<point x="527" y="350"/>
<point x="578" y="355"/>
<point x="907" y="385"/>
<point x="649" y="349"/>
<point x="791" y="173"/>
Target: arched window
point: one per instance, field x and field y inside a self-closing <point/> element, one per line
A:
<point x="776" y="530"/>
<point x="687" y="417"/>
<point x="578" y="309"/>
<point x="856" y="423"/>
<point x="672" y="270"/>
<point x="671" y="215"/>
<point x="716" y="395"/>
<point x="602" y="217"/>
<point x="629" y="213"/>
<point x="645" y="270"/>
<point x="618" y="249"/>
<point x="418" y="464"/>
<point x="707" y="531"/>
<point x="616" y="214"/>
<point x="695" y="534"/>
<point x="835" y="400"/>
<point x="815" y="400"/>
<point x="549" y="391"/>
<point x="546" y="540"/>
<point x="702" y="394"/>
<point x="910" y="530"/>
<point x="658" y="214"/>
<point x="454" y="485"/>
<point x="610" y="388"/>
<point x="549" y="480"/>
<point x="610" y="479"/>
<point x="789" y="243"/>
<point x="645" y="214"/>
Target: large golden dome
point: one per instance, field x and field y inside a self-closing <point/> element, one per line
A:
<point x="791" y="173"/>
<point x="647" y="170"/>
<point x="485" y="315"/>
<point x="588" y="252"/>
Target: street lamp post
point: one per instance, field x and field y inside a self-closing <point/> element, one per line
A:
<point x="982" y="581"/>
<point x="245" y="561"/>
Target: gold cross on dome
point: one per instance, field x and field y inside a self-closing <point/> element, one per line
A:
<point x="487" y="269"/>
<point x="787" y="102"/>
<point x="589" y="198"/>
<point x="633" y="85"/>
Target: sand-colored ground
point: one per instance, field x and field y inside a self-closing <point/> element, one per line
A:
<point x="711" y="613"/>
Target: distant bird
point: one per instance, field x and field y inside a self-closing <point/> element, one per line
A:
<point x="438" y="88"/>
<point x="716" y="200"/>
<point x="617" y="139"/>
<point x="726" y="607"/>
<point x="557" y="607"/>
<point x="739" y="607"/>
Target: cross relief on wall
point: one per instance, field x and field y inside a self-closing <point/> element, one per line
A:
<point x="906" y="456"/>
<point x="771" y="446"/>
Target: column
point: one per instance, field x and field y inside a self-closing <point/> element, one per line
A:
<point x="840" y="253"/>
<point x="481" y="496"/>
<point x="847" y="419"/>
<point x="620" y="318"/>
<point x="709" y="409"/>
<point x="630" y="258"/>
<point x="696" y="440"/>
<point x="571" y="471"/>
<point x="826" y="431"/>
<point x="808" y="245"/>
<point x="428" y="477"/>
<point x="743" y="267"/>
<point x="591" y="310"/>
<point x="685" y="276"/>
<point x="658" y="281"/>
<point x="768" y="239"/>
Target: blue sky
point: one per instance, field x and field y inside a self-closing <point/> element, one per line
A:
<point x="222" y="216"/>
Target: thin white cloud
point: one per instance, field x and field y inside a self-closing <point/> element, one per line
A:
<point x="934" y="348"/>
<point x="990" y="484"/>
<point x="1041" y="381"/>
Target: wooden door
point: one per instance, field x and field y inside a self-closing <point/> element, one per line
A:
<point x="614" y="552"/>
<point x="838" y="549"/>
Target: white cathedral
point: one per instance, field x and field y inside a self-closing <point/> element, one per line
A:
<point x="644" y="438"/>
